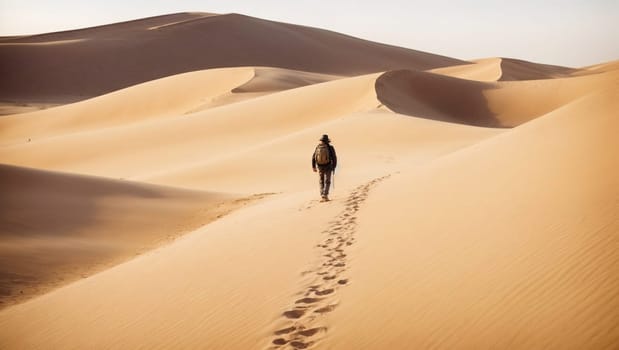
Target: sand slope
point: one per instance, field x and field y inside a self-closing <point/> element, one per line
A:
<point x="240" y="161"/>
<point x="509" y="69"/>
<point x="138" y="126"/>
<point x="602" y="67"/>
<point x="200" y="291"/>
<point x="129" y="150"/>
<point x="488" y="69"/>
<point x="84" y="63"/>
<point x="525" y="259"/>
<point x="167" y="97"/>
<point x="219" y="271"/>
<point x="56" y="228"/>
<point x="438" y="97"/>
<point x="513" y="69"/>
<point x="408" y="266"/>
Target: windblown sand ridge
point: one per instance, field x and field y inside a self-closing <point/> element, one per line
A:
<point x="509" y="69"/>
<point x="488" y="104"/>
<point x="130" y="119"/>
<point x="151" y="49"/>
<point x="56" y="228"/>
<point x="474" y="205"/>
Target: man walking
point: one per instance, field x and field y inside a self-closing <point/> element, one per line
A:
<point x="325" y="159"/>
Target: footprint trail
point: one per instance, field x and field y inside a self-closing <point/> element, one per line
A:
<point x="304" y="319"/>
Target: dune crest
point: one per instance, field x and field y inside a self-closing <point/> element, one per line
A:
<point x="168" y="97"/>
<point x="514" y="70"/>
<point x="482" y="103"/>
<point x="57" y="228"/>
<point x="488" y="69"/>
<point x="508" y="69"/>
<point x="182" y="43"/>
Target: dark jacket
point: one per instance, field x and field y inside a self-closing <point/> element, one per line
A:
<point x="332" y="157"/>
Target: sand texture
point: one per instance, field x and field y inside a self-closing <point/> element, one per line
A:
<point x="166" y="198"/>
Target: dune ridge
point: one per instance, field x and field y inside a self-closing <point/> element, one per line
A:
<point x="63" y="73"/>
<point x="168" y="97"/>
<point x="102" y="151"/>
<point x="57" y="227"/>
<point x="509" y="69"/>
<point x="482" y="103"/>
<point x="514" y="69"/>
<point x="414" y="93"/>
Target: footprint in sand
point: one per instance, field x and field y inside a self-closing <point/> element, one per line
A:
<point x="318" y="298"/>
<point x="324" y="292"/>
<point x="312" y="331"/>
<point x="325" y="309"/>
<point x="307" y="300"/>
<point x="280" y="341"/>
<point x="299" y="344"/>
<point x="294" y="314"/>
<point x="285" y="330"/>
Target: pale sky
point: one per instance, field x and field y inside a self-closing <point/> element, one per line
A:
<point x="570" y="32"/>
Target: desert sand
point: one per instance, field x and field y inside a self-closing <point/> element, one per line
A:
<point x="166" y="199"/>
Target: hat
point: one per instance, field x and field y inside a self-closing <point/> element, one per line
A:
<point x="325" y="138"/>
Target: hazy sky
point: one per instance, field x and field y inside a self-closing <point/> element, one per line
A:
<point x="569" y="32"/>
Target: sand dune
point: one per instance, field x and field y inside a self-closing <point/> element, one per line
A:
<point x="226" y="254"/>
<point x="303" y="112"/>
<point x="488" y="69"/>
<point x="168" y="97"/>
<point x="133" y="52"/>
<point x="219" y="287"/>
<point x="273" y="80"/>
<point x="513" y="69"/>
<point x="128" y="151"/>
<point x="525" y="259"/>
<point x="600" y="68"/>
<point x="56" y="228"/>
<point x="413" y="93"/>
<point x="439" y="97"/>
<point x="278" y="165"/>
<point x="508" y="69"/>
<point x="474" y="205"/>
<point x="424" y="95"/>
<point x="518" y="102"/>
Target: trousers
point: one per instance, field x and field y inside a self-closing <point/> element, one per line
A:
<point x="325" y="180"/>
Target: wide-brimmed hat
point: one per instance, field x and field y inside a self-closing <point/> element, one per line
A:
<point x="325" y="138"/>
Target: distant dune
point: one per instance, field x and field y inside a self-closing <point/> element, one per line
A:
<point x="513" y="69"/>
<point x="481" y="103"/>
<point x="79" y="64"/>
<point x="508" y="69"/>
<point x="172" y="203"/>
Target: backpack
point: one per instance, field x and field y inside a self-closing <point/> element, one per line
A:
<point x="322" y="154"/>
